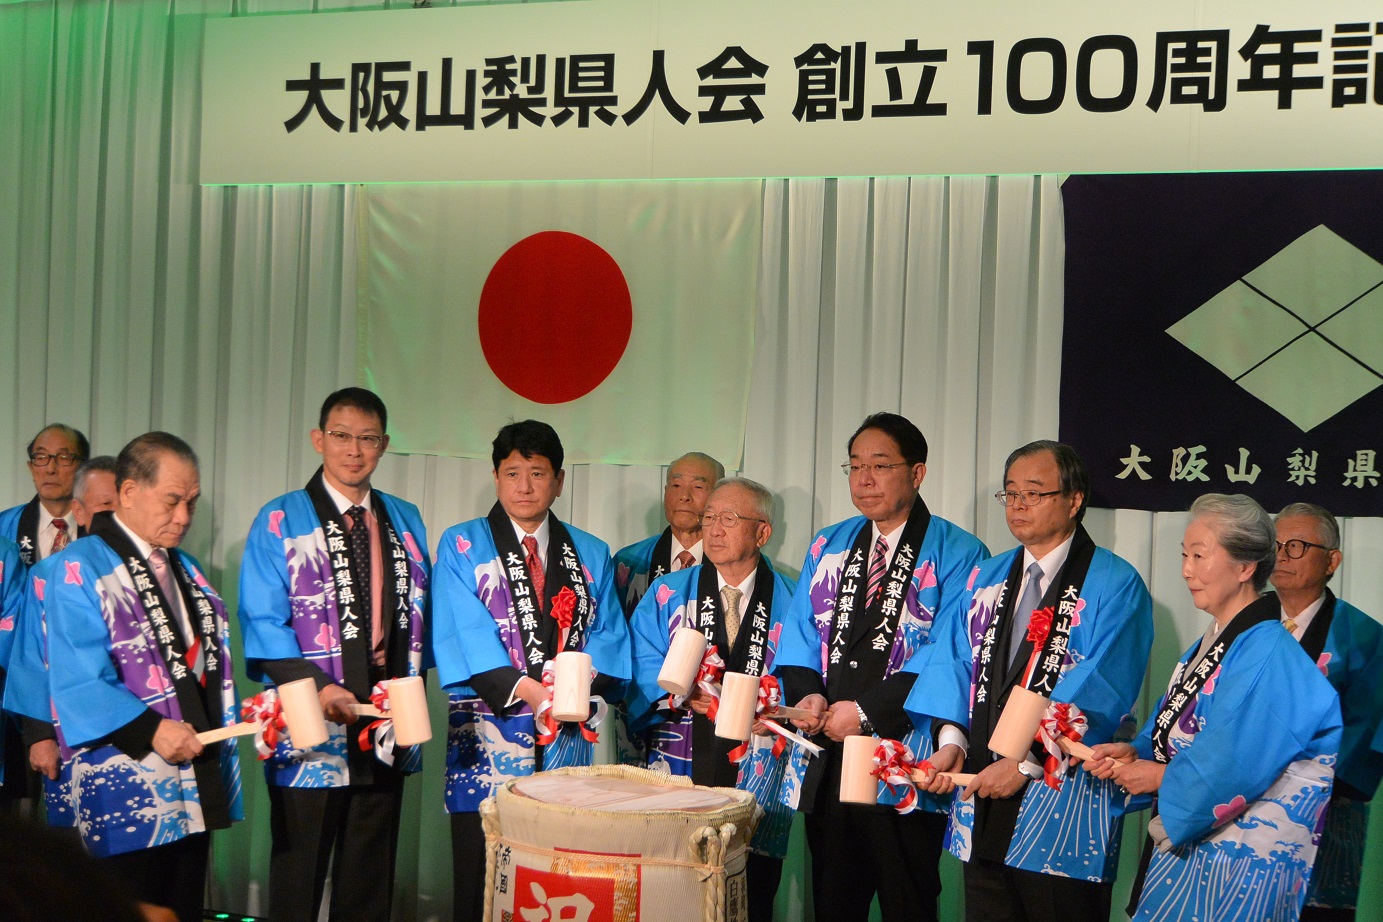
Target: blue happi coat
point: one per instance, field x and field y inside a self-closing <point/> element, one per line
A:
<point x="1073" y="830"/>
<point x="106" y="671"/>
<point x="9" y="528"/>
<point x="12" y="581"/>
<point x="476" y="630"/>
<point x="288" y="610"/>
<point x="1244" y="794"/>
<point x="12" y="584"/>
<point x="1352" y="661"/>
<point x="662" y="611"/>
<point x="948" y="554"/>
<point x="632" y="564"/>
<point x="26" y="686"/>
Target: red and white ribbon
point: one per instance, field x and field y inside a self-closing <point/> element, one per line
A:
<point x="547" y="726"/>
<point x="708" y="680"/>
<point x="1061" y="721"/>
<point x="384" y="738"/>
<point x="264" y="709"/>
<point x="770" y="698"/>
<point x="894" y="765"/>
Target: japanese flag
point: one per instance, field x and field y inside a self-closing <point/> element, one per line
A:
<point x="622" y="313"/>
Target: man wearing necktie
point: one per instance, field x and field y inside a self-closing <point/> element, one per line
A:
<point x="737" y="600"/>
<point x="1065" y="620"/>
<point x="45" y="524"/>
<point x="139" y="662"/>
<point x="690" y="480"/>
<point x="871" y="589"/>
<point x="41" y="527"/>
<point x="26" y="685"/>
<point x="513" y="589"/>
<point x="1347" y="645"/>
<point x="333" y="588"/>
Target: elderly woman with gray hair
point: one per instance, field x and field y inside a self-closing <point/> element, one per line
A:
<point x="1238" y="757"/>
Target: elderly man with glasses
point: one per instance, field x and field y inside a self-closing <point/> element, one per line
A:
<point x="45" y="524"/>
<point x="41" y="527"/>
<point x="1347" y="646"/>
<point x="871" y="589"/>
<point x="1066" y="621"/>
<point x="333" y="588"/>
<point x="737" y="600"/>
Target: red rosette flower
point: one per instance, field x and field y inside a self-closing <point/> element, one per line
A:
<point x="563" y="608"/>
<point x="1040" y="625"/>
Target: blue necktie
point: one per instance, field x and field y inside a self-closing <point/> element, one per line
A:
<point x="1031" y="598"/>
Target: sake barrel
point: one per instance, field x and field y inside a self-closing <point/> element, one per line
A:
<point x="613" y="843"/>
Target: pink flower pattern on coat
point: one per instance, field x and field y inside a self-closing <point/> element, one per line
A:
<point x="1227" y="813"/>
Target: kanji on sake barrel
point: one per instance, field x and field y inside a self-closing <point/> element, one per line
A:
<point x="613" y="843"/>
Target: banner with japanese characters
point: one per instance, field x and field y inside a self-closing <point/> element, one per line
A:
<point x="640" y="89"/>
<point x="1224" y="333"/>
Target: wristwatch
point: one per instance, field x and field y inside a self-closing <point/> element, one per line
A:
<point x="1027" y="772"/>
<point x="866" y="727"/>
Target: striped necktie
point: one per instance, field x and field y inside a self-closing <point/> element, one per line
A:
<point x="877" y="568"/>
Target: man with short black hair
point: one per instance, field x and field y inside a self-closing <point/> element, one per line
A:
<point x="1347" y="645"/>
<point x="871" y="589"/>
<point x="26" y="687"/>
<point x="333" y="588"/>
<point x="45" y="523"/>
<point x="140" y="664"/>
<point x="514" y="589"/>
<point x="1065" y="620"/>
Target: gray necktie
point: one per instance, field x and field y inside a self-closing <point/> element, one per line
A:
<point x="730" y="598"/>
<point x="1022" y="614"/>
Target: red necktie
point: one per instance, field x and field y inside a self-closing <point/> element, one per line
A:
<point x="684" y="560"/>
<point x="535" y="569"/>
<point x="61" y="538"/>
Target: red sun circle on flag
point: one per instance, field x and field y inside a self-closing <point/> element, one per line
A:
<point x="555" y="317"/>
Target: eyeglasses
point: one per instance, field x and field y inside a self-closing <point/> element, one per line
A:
<point x="1296" y="548"/>
<point x="1027" y="497"/>
<point x="343" y="439"/>
<point x="727" y="519"/>
<point x="42" y="459"/>
<point x="875" y="469"/>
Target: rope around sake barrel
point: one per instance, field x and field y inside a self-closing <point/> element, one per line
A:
<point x="708" y="845"/>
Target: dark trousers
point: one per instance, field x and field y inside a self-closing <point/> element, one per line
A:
<point x="1322" y="914"/>
<point x="467" y="867"/>
<point x="359" y="825"/>
<point x="859" y="851"/>
<point x="172" y="875"/>
<point x="762" y="875"/>
<point x="995" y="892"/>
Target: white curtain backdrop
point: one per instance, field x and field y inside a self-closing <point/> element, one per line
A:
<point x="133" y="299"/>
